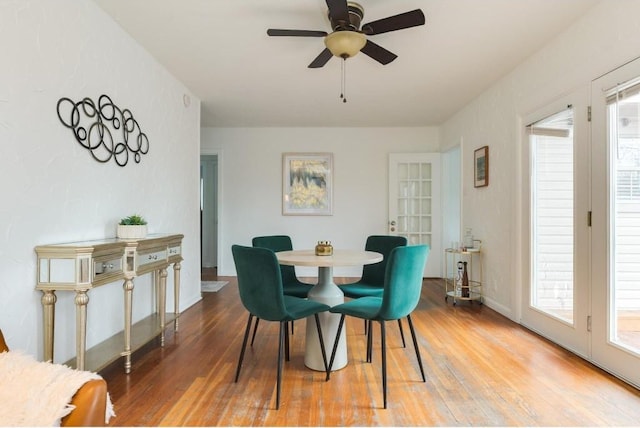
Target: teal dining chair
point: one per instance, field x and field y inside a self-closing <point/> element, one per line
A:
<point x="261" y="293"/>
<point x="371" y="283"/>
<point x="401" y="294"/>
<point x="291" y="285"/>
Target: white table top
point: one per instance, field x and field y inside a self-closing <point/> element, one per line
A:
<point x="339" y="258"/>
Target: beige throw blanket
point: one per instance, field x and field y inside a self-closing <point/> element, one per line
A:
<point x="34" y="393"/>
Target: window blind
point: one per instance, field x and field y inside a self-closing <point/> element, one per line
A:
<point x="623" y="90"/>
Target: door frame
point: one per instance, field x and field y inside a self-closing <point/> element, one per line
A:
<point x="606" y="354"/>
<point x="576" y="336"/>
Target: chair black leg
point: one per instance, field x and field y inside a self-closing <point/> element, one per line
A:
<point x="335" y="346"/>
<point x="366" y="325"/>
<point x="286" y="341"/>
<point x="283" y="333"/>
<point x="415" y="345"/>
<point x="255" y="328"/>
<point x="384" y="363"/>
<point x="404" y="345"/>
<point x="324" y="352"/>
<point x="370" y="341"/>
<point x="292" y="327"/>
<point x="244" y="345"/>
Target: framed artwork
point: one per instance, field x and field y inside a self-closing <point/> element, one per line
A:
<point x="481" y="167"/>
<point x="307" y="183"/>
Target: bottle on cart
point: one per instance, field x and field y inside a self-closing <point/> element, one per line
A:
<point x="465" y="281"/>
<point x="459" y="279"/>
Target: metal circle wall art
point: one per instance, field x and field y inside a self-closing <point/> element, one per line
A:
<point x="104" y="129"/>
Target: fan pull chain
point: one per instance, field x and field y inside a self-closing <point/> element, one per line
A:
<point x="343" y="83"/>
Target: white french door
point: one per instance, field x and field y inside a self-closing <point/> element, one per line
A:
<point x="414" y="203"/>
<point x="555" y="298"/>
<point x="616" y="222"/>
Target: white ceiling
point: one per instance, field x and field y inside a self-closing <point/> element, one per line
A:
<point x="221" y="51"/>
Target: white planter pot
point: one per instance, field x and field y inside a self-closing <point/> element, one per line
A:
<point x="131" y="231"/>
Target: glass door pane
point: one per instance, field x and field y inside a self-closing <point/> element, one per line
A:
<point x="625" y="220"/>
<point x="414" y="193"/>
<point x="552" y="214"/>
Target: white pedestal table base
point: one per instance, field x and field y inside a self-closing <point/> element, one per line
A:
<point x="325" y="291"/>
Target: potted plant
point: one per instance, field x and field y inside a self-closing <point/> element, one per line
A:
<point x="132" y="227"/>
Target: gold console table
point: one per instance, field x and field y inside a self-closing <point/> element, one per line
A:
<point x="81" y="266"/>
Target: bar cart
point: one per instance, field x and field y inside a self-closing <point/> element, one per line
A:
<point x="455" y="287"/>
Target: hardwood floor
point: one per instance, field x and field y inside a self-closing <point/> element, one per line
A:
<point x="481" y="369"/>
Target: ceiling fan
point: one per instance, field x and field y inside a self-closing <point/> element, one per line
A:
<point x="348" y="38"/>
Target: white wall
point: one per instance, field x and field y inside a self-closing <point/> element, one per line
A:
<point x="53" y="191"/>
<point x="605" y="38"/>
<point x="251" y="167"/>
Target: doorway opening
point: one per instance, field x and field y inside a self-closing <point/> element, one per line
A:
<point x="209" y="217"/>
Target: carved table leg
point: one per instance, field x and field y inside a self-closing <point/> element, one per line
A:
<point x="176" y="294"/>
<point x="81" y="301"/>
<point x="162" y="302"/>
<point x="48" y="311"/>
<point x="128" y="297"/>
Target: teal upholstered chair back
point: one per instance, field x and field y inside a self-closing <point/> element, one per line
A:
<point x="278" y="243"/>
<point x="374" y="274"/>
<point x="403" y="281"/>
<point x="259" y="282"/>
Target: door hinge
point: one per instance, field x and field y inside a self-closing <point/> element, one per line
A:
<point x="588" y="322"/>
<point x="589" y="219"/>
<point x="588" y="113"/>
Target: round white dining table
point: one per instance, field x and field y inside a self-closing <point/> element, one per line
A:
<point x="327" y="292"/>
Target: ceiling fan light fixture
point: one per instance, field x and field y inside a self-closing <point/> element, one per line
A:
<point x="345" y="44"/>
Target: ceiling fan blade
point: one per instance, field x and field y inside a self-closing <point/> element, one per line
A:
<point x="393" y="23"/>
<point x="378" y="53"/>
<point x="297" y="33"/>
<point x="338" y="10"/>
<point x="321" y="59"/>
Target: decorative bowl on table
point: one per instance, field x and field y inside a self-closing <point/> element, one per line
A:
<point x="324" y="248"/>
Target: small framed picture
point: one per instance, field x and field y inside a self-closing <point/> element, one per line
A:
<point x="307" y="183"/>
<point x="481" y="167"/>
